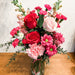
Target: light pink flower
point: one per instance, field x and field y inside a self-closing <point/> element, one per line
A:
<point x="48" y="7"/>
<point x="46" y="40"/>
<point x="49" y="24"/>
<point x="42" y="12"/>
<point x="35" y="50"/>
<point x="58" y="38"/>
<point x="51" y="50"/>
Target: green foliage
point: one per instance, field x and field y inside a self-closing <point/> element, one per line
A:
<point x="12" y="58"/>
<point x="57" y="5"/>
<point x="40" y="21"/>
<point x="60" y="50"/>
<point x="6" y="44"/>
<point x="20" y="8"/>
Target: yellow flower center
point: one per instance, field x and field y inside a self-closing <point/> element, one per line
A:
<point x="51" y="49"/>
<point x="46" y="40"/>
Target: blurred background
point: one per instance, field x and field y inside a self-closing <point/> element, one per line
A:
<point x="8" y="20"/>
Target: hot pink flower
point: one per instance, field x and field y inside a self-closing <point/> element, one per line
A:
<point x="58" y="26"/>
<point x="14" y="31"/>
<point x="51" y="50"/>
<point x="35" y="50"/>
<point x="42" y="12"/>
<point x="46" y="40"/>
<point x="48" y="7"/>
<point x="15" y="42"/>
<point x="58" y="38"/>
<point x="63" y="17"/>
<point x="38" y="8"/>
<point x="58" y="16"/>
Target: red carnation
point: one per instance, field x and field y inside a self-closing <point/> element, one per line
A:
<point x="24" y="41"/>
<point x="14" y="31"/>
<point x="38" y="8"/>
<point x="33" y="37"/>
<point x="30" y="20"/>
<point x="15" y="42"/>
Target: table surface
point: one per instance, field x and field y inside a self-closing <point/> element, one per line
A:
<point x="59" y="65"/>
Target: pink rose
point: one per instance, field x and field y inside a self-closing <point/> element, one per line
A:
<point x="15" y="42"/>
<point x="49" y="24"/>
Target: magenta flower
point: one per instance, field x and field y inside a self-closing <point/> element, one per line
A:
<point x="46" y="40"/>
<point x="58" y="38"/>
<point x="63" y="17"/>
<point x="58" y="16"/>
<point x="51" y="50"/>
<point x="42" y="12"/>
<point x="35" y="50"/>
<point x="48" y="7"/>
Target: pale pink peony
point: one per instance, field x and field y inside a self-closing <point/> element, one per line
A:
<point x="58" y="38"/>
<point x="51" y="50"/>
<point x="35" y="50"/>
<point x="48" y="7"/>
<point x="42" y="12"/>
<point x="46" y="40"/>
<point x="49" y="24"/>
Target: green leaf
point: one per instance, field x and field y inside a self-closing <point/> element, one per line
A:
<point x="40" y="21"/>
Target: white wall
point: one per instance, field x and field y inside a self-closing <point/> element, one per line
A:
<point x="8" y="20"/>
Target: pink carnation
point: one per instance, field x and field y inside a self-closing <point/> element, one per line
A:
<point x="14" y="31"/>
<point x="58" y="16"/>
<point x="46" y="40"/>
<point x="15" y="42"/>
<point x="48" y="7"/>
<point x="35" y="50"/>
<point x="58" y="26"/>
<point x="38" y="8"/>
<point x="63" y="17"/>
<point x="51" y="50"/>
<point x="58" y="38"/>
<point x="42" y="12"/>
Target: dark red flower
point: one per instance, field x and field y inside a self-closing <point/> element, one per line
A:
<point x="30" y="20"/>
<point x="24" y="41"/>
<point x="38" y="8"/>
<point x="33" y="37"/>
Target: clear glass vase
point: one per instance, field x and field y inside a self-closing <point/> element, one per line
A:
<point x="37" y="67"/>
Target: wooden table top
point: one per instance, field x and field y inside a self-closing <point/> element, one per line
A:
<point x="59" y="65"/>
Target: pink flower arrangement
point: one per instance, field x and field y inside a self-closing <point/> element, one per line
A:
<point x="46" y="40"/>
<point x="15" y="42"/>
<point x="35" y="50"/>
<point x="42" y="12"/>
<point x="51" y="50"/>
<point x="48" y="7"/>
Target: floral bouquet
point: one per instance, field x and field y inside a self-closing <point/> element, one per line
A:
<point x="37" y="35"/>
